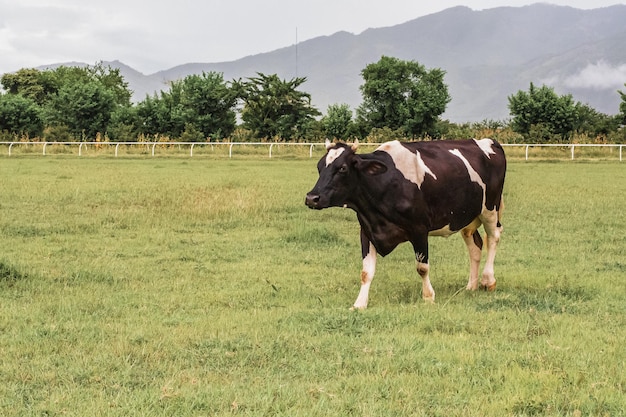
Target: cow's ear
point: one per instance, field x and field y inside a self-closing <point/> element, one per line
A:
<point x="371" y="167"/>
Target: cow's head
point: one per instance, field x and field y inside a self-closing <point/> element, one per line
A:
<point x="340" y="171"/>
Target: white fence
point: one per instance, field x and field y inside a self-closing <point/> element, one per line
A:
<point x="152" y="146"/>
<point x="572" y="147"/>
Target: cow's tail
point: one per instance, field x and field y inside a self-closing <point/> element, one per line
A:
<point x="500" y="211"/>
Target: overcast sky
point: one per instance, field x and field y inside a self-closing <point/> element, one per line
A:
<point x="154" y="35"/>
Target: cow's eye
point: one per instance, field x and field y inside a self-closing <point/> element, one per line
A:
<point x="343" y="169"/>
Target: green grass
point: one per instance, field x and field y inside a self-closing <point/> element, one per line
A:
<point x="203" y="286"/>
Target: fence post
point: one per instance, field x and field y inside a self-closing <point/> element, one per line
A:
<point x="311" y="151"/>
<point x="11" y="145"/>
<point x="44" y="147"/>
<point x="271" y="145"/>
<point x="191" y="151"/>
<point x="527" y="146"/>
<point x="230" y="150"/>
<point x="573" y="147"/>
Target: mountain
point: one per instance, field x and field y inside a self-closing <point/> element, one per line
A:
<point x="487" y="55"/>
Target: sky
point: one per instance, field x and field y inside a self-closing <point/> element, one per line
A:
<point x="155" y="35"/>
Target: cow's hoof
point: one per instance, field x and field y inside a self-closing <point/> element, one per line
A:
<point x="357" y="308"/>
<point x="490" y="287"/>
<point x="429" y="300"/>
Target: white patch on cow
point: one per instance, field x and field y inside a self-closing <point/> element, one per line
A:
<point x="333" y="154"/>
<point x="472" y="172"/>
<point x="367" y="275"/>
<point x="410" y="164"/>
<point x="422" y="170"/>
<point x="486" y="146"/>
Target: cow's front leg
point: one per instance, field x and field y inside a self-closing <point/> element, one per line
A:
<point x="368" y="252"/>
<point x="420" y="246"/>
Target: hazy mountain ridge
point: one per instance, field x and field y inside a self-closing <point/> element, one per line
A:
<point x="488" y="55"/>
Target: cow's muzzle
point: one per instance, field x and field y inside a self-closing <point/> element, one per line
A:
<point x="313" y="201"/>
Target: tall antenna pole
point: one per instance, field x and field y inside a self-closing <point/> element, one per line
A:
<point x="296" y="51"/>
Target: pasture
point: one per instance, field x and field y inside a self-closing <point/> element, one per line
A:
<point x="204" y="287"/>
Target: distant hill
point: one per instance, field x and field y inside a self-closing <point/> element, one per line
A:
<point x="487" y="55"/>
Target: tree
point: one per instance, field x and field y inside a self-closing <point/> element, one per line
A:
<point x="543" y="115"/>
<point x="402" y="95"/>
<point x="338" y="122"/>
<point x="85" y="108"/>
<point x="622" y="105"/>
<point x="198" y="106"/>
<point x="209" y="104"/>
<point x="594" y="123"/>
<point x="20" y="115"/>
<point x="112" y="80"/>
<point x="75" y="100"/>
<point x="275" y="108"/>
<point x="31" y="83"/>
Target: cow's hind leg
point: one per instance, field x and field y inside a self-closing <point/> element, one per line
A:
<point x="493" y="229"/>
<point x="474" y="244"/>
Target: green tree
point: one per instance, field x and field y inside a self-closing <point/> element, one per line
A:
<point x="85" y="108"/>
<point x="31" y="83"/>
<point x="402" y="95"/>
<point x="78" y="101"/>
<point x="112" y="80"/>
<point x="594" y="123"/>
<point x="209" y="104"/>
<point x="153" y="115"/>
<point x="622" y="105"/>
<point x="196" y="107"/>
<point x="338" y="122"/>
<point x="124" y="124"/>
<point x="275" y="108"/>
<point x="20" y="115"/>
<point x="542" y="115"/>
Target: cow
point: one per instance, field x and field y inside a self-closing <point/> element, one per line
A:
<point x="408" y="191"/>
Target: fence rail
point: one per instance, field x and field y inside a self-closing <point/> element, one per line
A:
<point x="152" y="146"/>
<point x="571" y="147"/>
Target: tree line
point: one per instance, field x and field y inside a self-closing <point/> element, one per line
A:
<point x="400" y="99"/>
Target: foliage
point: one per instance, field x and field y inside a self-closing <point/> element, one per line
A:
<point x="337" y="123"/>
<point x="178" y="287"/>
<point x="208" y="104"/>
<point x="402" y="95"/>
<point x="622" y="106"/>
<point x="20" y="115"/>
<point x="401" y="100"/>
<point x="275" y="108"/>
<point x="31" y="83"/>
<point x="85" y="108"/>
<point x="197" y="107"/>
<point x="82" y="99"/>
<point x="542" y="115"/>
<point x="594" y="123"/>
<point x="124" y="126"/>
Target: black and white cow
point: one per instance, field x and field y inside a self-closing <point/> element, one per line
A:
<point x="408" y="191"/>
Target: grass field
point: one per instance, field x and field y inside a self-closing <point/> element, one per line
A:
<point x="204" y="287"/>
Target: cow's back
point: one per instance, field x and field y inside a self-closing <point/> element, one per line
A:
<point x="457" y="178"/>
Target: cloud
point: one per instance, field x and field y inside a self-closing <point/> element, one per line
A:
<point x="598" y="76"/>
